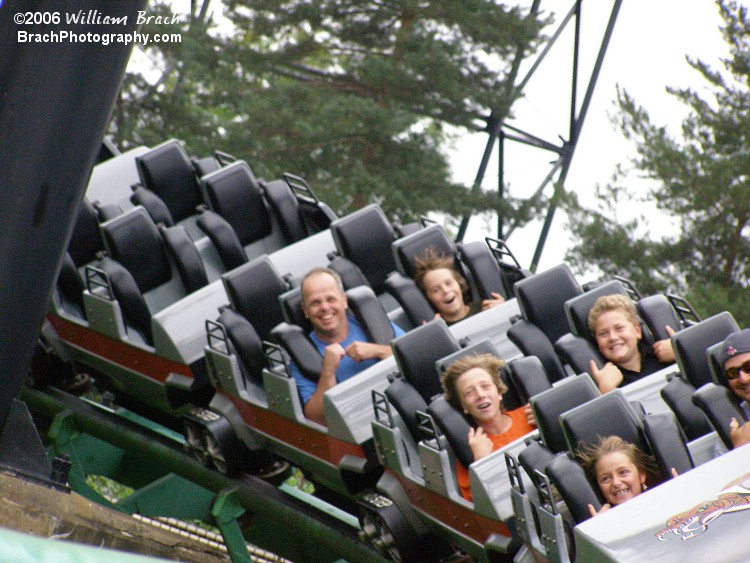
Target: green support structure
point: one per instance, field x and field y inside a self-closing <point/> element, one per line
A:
<point x="100" y="442"/>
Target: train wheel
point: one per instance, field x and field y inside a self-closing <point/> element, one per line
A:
<point x="215" y="453"/>
<point x="195" y="445"/>
<point x="376" y="533"/>
<point x="385" y="528"/>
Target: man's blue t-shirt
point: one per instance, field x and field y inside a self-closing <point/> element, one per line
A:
<point x="347" y="368"/>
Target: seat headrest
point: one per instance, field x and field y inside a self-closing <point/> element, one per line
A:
<point x="253" y="290"/>
<point x="234" y="193"/>
<point x="577" y="308"/>
<point x="134" y="241"/>
<point x="542" y="298"/>
<point x="417" y="351"/>
<point x="608" y="415"/>
<point x="167" y="171"/>
<point x="691" y="343"/>
<point x="406" y="250"/>
<point x="549" y="405"/>
<point x="365" y="238"/>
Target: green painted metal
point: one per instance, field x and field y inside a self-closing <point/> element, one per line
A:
<point x="281" y="524"/>
<point x="226" y="512"/>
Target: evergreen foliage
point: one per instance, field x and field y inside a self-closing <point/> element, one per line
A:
<point x="699" y="181"/>
<point x="352" y="95"/>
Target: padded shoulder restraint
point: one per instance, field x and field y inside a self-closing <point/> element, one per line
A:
<point x="70" y="285"/>
<point x="153" y="204"/>
<point x="410" y="297"/>
<point x="246" y="343"/>
<point x="367" y="307"/>
<point x="186" y="257"/>
<point x="86" y="239"/>
<point x="570" y="479"/>
<point x="224" y="238"/>
<point x="351" y="275"/>
<point x="484" y="269"/>
<point x="417" y="351"/>
<point x="454" y="427"/>
<point x="286" y="207"/>
<point x="300" y="348"/>
<point x="130" y="298"/>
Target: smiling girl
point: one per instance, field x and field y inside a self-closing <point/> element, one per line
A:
<point x="619" y="469"/>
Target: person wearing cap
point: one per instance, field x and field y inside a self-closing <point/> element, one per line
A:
<point x="735" y="357"/>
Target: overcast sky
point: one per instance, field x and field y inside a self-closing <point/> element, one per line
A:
<point x="646" y="53"/>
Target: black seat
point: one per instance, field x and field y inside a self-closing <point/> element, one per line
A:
<point x="542" y="299"/>
<point x="513" y="397"/>
<point x="416" y="353"/>
<point x="253" y="290"/>
<point x="549" y="405"/>
<point x="365" y="237"/>
<point x="720" y="405"/>
<point x="691" y="343"/>
<point x="407" y="249"/>
<point x="578" y="347"/>
<point x="167" y="172"/>
<point x="134" y="241"/>
<point x="139" y="266"/>
<point x="577" y="308"/>
<point x="612" y="415"/>
<point x="238" y="215"/>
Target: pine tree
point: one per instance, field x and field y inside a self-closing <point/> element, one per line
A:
<point x="353" y="95"/>
<point x="699" y="180"/>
